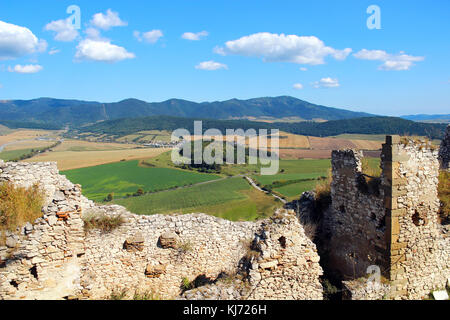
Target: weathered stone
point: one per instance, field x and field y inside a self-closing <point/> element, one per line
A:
<point x="168" y="240"/>
<point x="155" y="271"/>
<point x="135" y="243"/>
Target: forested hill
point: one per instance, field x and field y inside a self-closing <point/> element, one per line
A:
<point x="76" y="112"/>
<point x="366" y="125"/>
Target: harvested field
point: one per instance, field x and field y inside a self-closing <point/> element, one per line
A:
<point x="79" y="159"/>
<point x="291" y="154"/>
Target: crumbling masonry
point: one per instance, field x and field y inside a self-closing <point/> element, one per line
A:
<point x="390" y="222"/>
<point x="54" y="258"/>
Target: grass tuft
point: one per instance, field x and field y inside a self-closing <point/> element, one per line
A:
<point x="18" y="206"/>
<point x="102" y="222"/>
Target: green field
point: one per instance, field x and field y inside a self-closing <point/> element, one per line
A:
<point x="14" y="154"/>
<point x="232" y="198"/>
<point x="122" y="178"/>
<point x="293" y="191"/>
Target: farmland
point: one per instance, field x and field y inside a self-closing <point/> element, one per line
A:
<point x="232" y="198"/>
<point x="125" y="177"/>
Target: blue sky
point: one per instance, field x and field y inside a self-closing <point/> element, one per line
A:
<point x="319" y="51"/>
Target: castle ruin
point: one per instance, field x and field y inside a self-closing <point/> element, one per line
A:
<point x="390" y="222"/>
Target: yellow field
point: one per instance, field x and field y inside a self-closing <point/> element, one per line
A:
<point x="23" y="135"/>
<point x="34" y="144"/>
<point x="367" y="144"/>
<point x="293" y="141"/>
<point x="73" y="160"/>
<point x="78" y="145"/>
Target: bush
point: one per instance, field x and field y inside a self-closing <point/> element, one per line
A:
<point x="102" y="222"/>
<point x="18" y="206"/>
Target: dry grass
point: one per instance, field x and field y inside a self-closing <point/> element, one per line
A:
<point x="18" y="206"/>
<point x="322" y="191"/>
<point x="444" y="195"/>
<point x="68" y="160"/>
<point x="370" y="170"/>
<point x="103" y="222"/>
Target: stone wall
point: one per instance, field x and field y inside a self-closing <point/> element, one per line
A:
<point x="394" y="226"/>
<point x="56" y="258"/>
<point x="356" y="221"/>
<point x="419" y="250"/>
<point x="42" y="260"/>
<point x="444" y="150"/>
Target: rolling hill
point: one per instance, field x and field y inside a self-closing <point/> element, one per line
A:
<point x="76" y="112"/>
<point x="365" y="125"/>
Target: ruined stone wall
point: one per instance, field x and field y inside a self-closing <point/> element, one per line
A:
<point x="55" y="258"/>
<point x="444" y="150"/>
<point x="355" y="224"/>
<point x="41" y="260"/>
<point x="397" y="228"/>
<point x="418" y="249"/>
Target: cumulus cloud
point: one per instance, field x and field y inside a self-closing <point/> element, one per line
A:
<point x="326" y="83"/>
<point x="64" y="29"/>
<point x="101" y="50"/>
<point x="150" y="36"/>
<point x="211" y="65"/>
<point x="298" y="86"/>
<point x="283" y="48"/>
<point x="108" y="20"/>
<point x="194" y="36"/>
<point x="53" y="51"/>
<point x="30" y="68"/>
<point x="17" y="41"/>
<point x="397" y="62"/>
<point x="92" y="33"/>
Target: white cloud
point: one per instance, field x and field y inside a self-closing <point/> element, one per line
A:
<point x="17" y="41"/>
<point x="210" y="65"/>
<point x="54" y="51"/>
<point x="150" y="36"/>
<point x="105" y="22"/>
<point x="92" y="33"/>
<point x="65" y="30"/>
<point x="101" y="50"/>
<point x="194" y="36"/>
<point x="397" y="62"/>
<point x="298" y="86"/>
<point x="283" y="48"/>
<point x="326" y="83"/>
<point x="303" y="69"/>
<point x="30" y="68"/>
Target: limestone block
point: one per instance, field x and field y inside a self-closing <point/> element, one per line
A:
<point x="168" y="240"/>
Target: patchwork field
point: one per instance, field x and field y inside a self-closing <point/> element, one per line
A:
<point x="233" y="199"/>
<point x="126" y="177"/>
<point x="80" y="159"/>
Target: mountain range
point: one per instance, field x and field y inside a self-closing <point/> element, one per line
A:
<point x="76" y="112"/>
